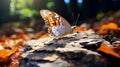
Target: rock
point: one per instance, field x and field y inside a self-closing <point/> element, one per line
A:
<point x="58" y="63"/>
<point x="71" y="50"/>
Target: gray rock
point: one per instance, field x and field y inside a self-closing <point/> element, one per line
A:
<point x="72" y="50"/>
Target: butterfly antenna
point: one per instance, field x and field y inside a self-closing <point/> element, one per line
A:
<point x="73" y="18"/>
<point x="77" y="19"/>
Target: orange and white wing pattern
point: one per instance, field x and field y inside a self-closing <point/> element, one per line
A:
<point x="58" y="26"/>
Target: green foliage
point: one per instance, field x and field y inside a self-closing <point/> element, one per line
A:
<point x="99" y="15"/>
<point x="50" y="5"/>
<point x="26" y="12"/>
<point x="23" y="8"/>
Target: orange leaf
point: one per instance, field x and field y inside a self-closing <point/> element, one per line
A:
<point x="109" y="26"/>
<point x="6" y="53"/>
<point x="44" y="35"/>
<point x="106" y="49"/>
<point x="80" y="29"/>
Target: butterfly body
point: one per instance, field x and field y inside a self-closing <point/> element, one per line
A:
<point x="58" y="26"/>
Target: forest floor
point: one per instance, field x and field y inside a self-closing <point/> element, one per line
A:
<point x="96" y="45"/>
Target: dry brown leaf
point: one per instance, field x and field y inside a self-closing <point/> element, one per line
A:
<point x="15" y="59"/>
<point x="44" y="35"/>
<point x="109" y="26"/>
<point x="108" y="50"/>
<point x="6" y="53"/>
<point x="80" y="29"/>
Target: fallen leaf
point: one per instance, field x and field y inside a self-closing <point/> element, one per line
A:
<point x="108" y="50"/>
<point x="44" y="35"/>
<point x="80" y="29"/>
<point x="6" y="53"/>
<point x="15" y="59"/>
<point x="110" y="26"/>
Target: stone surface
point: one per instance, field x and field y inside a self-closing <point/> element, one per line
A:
<point x="72" y="50"/>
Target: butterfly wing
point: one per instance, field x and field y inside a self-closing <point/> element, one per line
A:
<point x="57" y="24"/>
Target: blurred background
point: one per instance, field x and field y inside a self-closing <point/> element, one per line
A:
<point x="26" y="11"/>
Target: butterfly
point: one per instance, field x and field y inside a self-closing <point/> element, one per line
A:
<point x="57" y="25"/>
